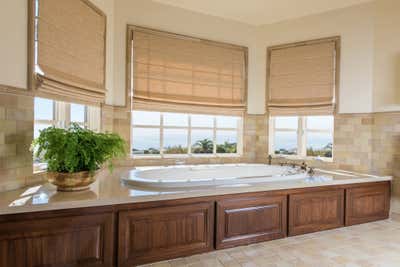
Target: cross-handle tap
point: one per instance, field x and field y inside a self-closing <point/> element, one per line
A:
<point x="311" y="171"/>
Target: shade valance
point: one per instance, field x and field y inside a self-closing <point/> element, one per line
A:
<point x="302" y="78"/>
<point x="70" y="50"/>
<point x="178" y="70"/>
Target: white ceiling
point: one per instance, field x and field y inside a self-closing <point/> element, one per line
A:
<point x="260" y="12"/>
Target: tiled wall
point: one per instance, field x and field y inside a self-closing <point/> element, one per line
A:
<point x="368" y="143"/>
<point x="363" y="142"/>
<point x="16" y="133"/>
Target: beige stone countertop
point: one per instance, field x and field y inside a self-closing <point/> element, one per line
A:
<point x="109" y="190"/>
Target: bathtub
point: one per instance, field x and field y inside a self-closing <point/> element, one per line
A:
<point x="213" y="175"/>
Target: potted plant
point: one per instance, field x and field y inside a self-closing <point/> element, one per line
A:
<point x="74" y="155"/>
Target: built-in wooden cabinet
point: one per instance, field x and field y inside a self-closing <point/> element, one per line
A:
<point x="162" y="233"/>
<point x="316" y="211"/>
<point x="367" y="203"/>
<point x="71" y="240"/>
<point x="245" y="220"/>
<point x="133" y="234"/>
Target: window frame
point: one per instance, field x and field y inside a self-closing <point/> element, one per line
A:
<point x="61" y="119"/>
<point x="301" y="133"/>
<point x="62" y="115"/>
<point x="189" y="128"/>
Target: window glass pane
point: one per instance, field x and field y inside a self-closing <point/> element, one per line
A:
<point x="145" y="118"/>
<point x="175" y="141"/>
<point x="285" y="143"/>
<point x="202" y="121"/>
<point x="202" y="141"/>
<point x="44" y="109"/>
<point x="77" y="113"/>
<point x="175" y="119"/>
<point x="38" y="127"/>
<point x="319" y="144"/>
<point x="145" y="141"/>
<point x="320" y="122"/>
<point x="226" y="141"/>
<point x="227" y="122"/>
<point x="286" y="122"/>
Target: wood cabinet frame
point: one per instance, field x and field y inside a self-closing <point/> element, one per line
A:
<point x="109" y="228"/>
<point x="241" y="221"/>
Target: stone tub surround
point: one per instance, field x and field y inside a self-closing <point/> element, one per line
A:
<point x="367" y="142"/>
<point x="108" y="190"/>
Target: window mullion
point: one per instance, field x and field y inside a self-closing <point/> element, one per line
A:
<point x="161" y="135"/>
<point x="271" y="135"/>
<point x="215" y="136"/>
<point x="302" y="137"/>
<point x="189" y="136"/>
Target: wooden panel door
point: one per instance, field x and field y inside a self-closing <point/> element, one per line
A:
<point x="368" y="203"/>
<point x="316" y="211"/>
<point x="252" y="219"/>
<point x="53" y="242"/>
<point x="155" y="234"/>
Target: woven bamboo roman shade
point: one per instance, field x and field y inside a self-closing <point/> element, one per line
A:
<point x="70" y="53"/>
<point x="302" y="78"/>
<point x="186" y="73"/>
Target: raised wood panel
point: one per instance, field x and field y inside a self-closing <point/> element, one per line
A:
<point x="85" y="240"/>
<point x="368" y="203"/>
<point x="247" y="220"/>
<point x="316" y="211"/>
<point x="161" y="233"/>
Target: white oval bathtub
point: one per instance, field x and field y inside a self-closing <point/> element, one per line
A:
<point x="211" y="175"/>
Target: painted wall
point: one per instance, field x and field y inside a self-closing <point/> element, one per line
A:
<point x="107" y="6"/>
<point x="164" y="17"/>
<point x="386" y="95"/>
<point x="14" y="38"/>
<point x="370" y="56"/>
<point x="355" y="26"/>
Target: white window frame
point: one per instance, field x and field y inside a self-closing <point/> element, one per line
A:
<point x="62" y="119"/>
<point x="190" y="128"/>
<point x="62" y="116"/>
<point x="301" y="133"/>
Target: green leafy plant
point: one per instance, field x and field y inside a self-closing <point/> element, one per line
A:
<point x="77" y="149"/>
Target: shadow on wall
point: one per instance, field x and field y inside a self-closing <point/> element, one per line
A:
<point x="397" y="82"/>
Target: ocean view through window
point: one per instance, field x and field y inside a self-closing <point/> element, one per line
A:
<point x="304" y="136"/>
<point x="174" y="134"/>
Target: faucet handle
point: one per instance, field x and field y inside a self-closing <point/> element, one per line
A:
<point x="311" y="171"/>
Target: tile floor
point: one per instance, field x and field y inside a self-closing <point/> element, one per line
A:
<point x="367" y="245"/>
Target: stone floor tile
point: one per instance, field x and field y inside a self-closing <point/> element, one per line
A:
<point x="375" y="244"/>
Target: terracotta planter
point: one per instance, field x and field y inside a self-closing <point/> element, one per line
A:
<point x="76" y="181"/>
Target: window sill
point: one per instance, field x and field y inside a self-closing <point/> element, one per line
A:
<point x="307" y="158"/>
<point x="185" y="156"/>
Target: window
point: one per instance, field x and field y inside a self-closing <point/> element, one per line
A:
<point x="171" y="134"/>
<point x="49" y="112"/>
<point x="304" y="136"/>
<point x="302" y="76"/>
<point x="62" y="66"/>
<point x="181" y="73"/>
